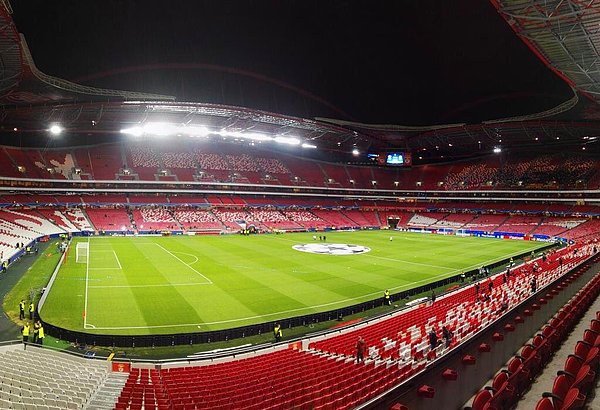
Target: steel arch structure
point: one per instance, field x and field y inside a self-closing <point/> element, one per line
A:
<point x="564" y="34"/>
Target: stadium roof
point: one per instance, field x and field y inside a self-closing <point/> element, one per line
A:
<point x="31" y="100"/>
<point x="564" y="34"/>
<point x="21" y="83"/>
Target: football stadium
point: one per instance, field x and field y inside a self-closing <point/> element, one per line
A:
<point x="212" y="205"/>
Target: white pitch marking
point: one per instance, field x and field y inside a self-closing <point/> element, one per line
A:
<point x="176" y="257"/>
<point x="188" y="254"/>
<point x="151" y="286"/>
<point x="430" y="279"/>
<point x="118" y="261"/>
<point x="295" y="310"/>
<point x="87" y="278"/>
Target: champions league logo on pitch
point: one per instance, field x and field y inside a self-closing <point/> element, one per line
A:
<point x="331" y="248"/>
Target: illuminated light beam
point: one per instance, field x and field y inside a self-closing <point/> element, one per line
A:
<point x="287" y="140"/>
<point x="218" y="68"/>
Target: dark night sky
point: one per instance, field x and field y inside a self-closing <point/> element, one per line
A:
<point x="403" y="62"/>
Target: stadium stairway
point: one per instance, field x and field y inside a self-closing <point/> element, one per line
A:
<point x="108" y="393"/>
<point x="545" y="382"/>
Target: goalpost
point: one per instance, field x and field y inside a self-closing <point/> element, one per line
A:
<point x="82" y="252"/>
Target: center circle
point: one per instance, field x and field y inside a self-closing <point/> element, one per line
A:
<point x="331" y="248"/>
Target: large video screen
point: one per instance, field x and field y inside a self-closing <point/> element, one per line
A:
<point x="394" y="158"/>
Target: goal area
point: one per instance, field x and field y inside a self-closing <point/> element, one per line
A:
<point x="82" y="251"/>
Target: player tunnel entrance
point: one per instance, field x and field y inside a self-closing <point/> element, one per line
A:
<point x="393" y="221"/>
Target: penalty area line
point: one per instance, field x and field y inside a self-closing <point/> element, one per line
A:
<point x="179" y="259"/>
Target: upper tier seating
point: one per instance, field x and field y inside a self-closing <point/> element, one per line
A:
<point x="144" y="157"/>
<point x="105" y="162"/>
<point x="242" y="163"/>
<point x="219" y="162"/>
<point x="472" y="175"/>
<point x="62" y="163"/>
<point x="178" y="160"/>
<point x="272" y="165"/>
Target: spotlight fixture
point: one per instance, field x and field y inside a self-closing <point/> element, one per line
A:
<point x="55" y="129"/>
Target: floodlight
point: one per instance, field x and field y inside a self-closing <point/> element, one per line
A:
<point x="55" y="129"/>
<point x="256" y="136"/>
<point x="497" y="150"/>
<point x="287" y="140"/>
<point x="195" y="131"/>
<point x="306" y="145"/>
<point x="355" y="152"/>
<point x="135" y="131"/>
<point x="159" y="128"/>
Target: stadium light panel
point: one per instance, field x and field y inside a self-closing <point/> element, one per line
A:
<point x="134" y="131"/>
<point x="287" y="140"/>
<point x="55" y="129"/>
<point x="306" y="145"/>
<point x="355" y="152"/>
<point x="497" y="150"/>
<point x="257" y="136"/>
<point x="195" y="131"/>
<point x="161" y="129"/>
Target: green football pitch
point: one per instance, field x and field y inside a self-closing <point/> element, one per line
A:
<point x="160" y="285"/>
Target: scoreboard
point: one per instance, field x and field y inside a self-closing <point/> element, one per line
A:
<point x="394" y="158"/>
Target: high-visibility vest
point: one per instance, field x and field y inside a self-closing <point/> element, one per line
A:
<point x="26" y="330"/>
<point x="21" y="305"/>
<point x="41" y="332"/>
<point x="31" y="307"/>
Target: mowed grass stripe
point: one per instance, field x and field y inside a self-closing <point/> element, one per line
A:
<point x="257" y="278"/>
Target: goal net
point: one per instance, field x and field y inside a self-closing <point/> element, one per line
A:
<point x="82" y="251"/>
